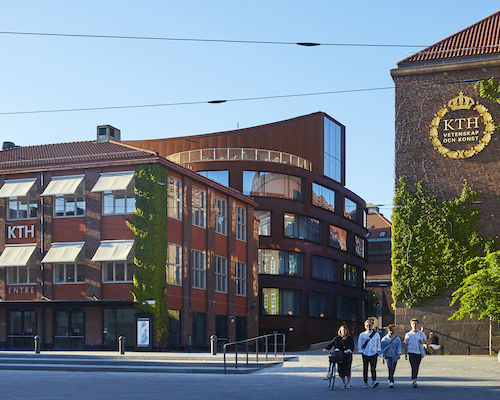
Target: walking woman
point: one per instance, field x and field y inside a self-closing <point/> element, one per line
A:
<point x="414" y="339"/>
<point x="345" y="344"/>
<point x="369" y="347"/>
<point x="390" y="348"/>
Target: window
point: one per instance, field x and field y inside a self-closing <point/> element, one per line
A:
<point x="118" y="271"/>
<point x="359" y="246"/>
<point x="338" y="238"/>
<point x="271" y="184"/>
<point x="118" y="192"/>
<point x="350" y="209"/>
<point x="280" y="262"/>
<point x="220" y="216"/>
<point x="319" y="305"/>
<point x="333" y="161"/>
<point x="199" y="268"/>
<point x="323" y="197"/>
<point x="382" y="234"/>
<point x="280" y="301"/>
<point x="174" y="264"/>
<point x="69" y="273"/>
<point x="302" y="227"/>
<point x="264" y="218"/>
<point x="67" y="205"/>
<point x="199" y="207"/>
<point x="323" y="268"/>
<point x="350" y="275"/>
<point x="346" y="308"/>
<point x="21" y="274"/>
<point x="241" y="223"/>
<point x="220" y="274"/>
<point x="361" y="310"/>
<point x="496" y="328"/>
<point x="23" y="207"/>
<point x="221" y="176"/>
<point x="174" y="198"/>
<point x="174" y="327"/>
<point x="241" y="278"/>
<point x="117" y="322"/>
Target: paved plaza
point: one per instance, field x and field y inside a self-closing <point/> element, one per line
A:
<point x="441" y="377"/>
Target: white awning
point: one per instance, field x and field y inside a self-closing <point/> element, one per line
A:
<point x="113" y="181"/>
<point x="17" y="255"/>
<point x="63" y="185"/>
<point x="16" y="187"/>
<point x="63" y="252"/>
<point x="113" y="250"/>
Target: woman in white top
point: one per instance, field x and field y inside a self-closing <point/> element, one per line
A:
<point x="412" y="342"/>
<point x="369" y="347"/>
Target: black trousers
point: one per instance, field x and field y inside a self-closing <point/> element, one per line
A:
<point x="415" y="364"/>
<point x="372" y="361"/>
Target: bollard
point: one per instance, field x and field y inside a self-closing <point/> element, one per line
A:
<point x="121" y="344"/>
<point x="213" y="345"/>
<point x="38" y="341"/>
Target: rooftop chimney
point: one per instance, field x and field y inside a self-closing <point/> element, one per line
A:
<point x="105" y="133"/>
<point x="8" y="145"/>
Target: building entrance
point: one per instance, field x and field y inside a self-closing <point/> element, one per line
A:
<point x="69" y="330"/>
<point x="21" y="330"/>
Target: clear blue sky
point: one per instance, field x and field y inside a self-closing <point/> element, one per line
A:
<point x="57" y="73"/>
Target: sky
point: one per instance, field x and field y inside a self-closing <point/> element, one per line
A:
<point x="227" y="50"/>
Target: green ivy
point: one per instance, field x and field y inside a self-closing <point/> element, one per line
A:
<point x="490" y="90"/>
<point x="149" y="225"/>
<point x="432" y="241"/>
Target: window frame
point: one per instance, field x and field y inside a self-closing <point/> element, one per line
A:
<point x="76" y="198"/>
<point x="220" y="274"/>
<point x="105" y="266"/>
<point x="327" y="266"/>
<point x="319" y="304"/>
<point x="297" y="222"/>
<point x="174" y="265"/>
<point x="199" y="269"/>
<point x="220" y="216"/>
<point x="65" y="267"/>
<point x="240" y="278"/>
<point x="30" y="199"/>
<point x="241" y="223"/>
<point x="199" y="205"/>
<point x="31" y="278"/>
<point x="175" y="198"/>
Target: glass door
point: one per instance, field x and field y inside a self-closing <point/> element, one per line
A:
<point x="21" y="330"/>
<point x="69" y="330"/>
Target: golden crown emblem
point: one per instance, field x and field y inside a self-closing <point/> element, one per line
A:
<point x="461" y="102"/>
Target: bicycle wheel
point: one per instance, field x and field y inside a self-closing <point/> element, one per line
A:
<point x="330" y="375"/>
<point x="333" y="377"/>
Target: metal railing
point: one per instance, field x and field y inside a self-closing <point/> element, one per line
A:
<point x="256" y="340"/>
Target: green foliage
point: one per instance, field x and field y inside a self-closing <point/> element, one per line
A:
<point x="432" y="242"/>
<point x="149" y="225"/>
<point x="490" y="90"/>
<point x="479" y="294"/>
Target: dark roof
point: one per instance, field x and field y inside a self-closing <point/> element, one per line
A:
<point x="480" y="39"/>
<point x="78" y="154"/>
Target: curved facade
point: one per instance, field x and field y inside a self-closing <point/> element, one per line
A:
<point x="311" y="234"/>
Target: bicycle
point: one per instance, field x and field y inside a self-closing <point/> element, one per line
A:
<point x="334" y="358"/>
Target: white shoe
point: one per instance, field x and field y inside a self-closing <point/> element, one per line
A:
<point x="366" y="385"/>
<point x="375" y="384"/>
<point x="349" y="386"/>
<point x="391" y="385"/>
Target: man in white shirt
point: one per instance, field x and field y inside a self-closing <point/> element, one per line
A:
<point x="369" y="347"/>
<point x="412" y="342"/>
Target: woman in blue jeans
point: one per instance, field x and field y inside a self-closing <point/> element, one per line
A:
<point x="390" y="348"/>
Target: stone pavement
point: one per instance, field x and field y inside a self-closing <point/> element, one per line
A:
<point x="441" y="377"/>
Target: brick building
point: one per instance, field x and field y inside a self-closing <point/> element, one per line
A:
<point x="67" y="255"/>
<point x="444" y="134"/>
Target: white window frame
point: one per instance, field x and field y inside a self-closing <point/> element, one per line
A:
<point x="174" y="264"/>
<point x="199" y="268"/>
<point x="127" y="279"/>
<point x="174" y="198"/>
<point x="65" y="267"/>
<point x="78" y="196"/>
<point x="199" y="203"/>
<point x="220" y="274"/>
<point x="28" y="200"/>
<point x="109" y="201"/>
<point x="241" y="223"/>
<point x="31" y="274"/>
<point x="240" y="272"/>
<point x="220" y="216"/>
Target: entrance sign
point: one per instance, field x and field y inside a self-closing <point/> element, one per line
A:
<point x="144" y="332"/>
<point x="462" y="128"/>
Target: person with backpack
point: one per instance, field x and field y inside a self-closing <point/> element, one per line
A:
<point x="390" y="348"/>
<point x="369" y="347"/>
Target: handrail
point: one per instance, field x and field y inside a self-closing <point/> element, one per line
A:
<point x="256" y="340"/>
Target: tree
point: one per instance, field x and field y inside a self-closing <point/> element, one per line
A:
<point x="149" y="225"/>
<point x="432" y="241"/>
<point x="490" y="90"/>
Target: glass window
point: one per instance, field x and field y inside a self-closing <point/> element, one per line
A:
<point x="241" y="278"/>
<point x="174" y="327"/>
<point x="174" y="198"/>
<point x="359" y="246"/>
<point x="319" y="305"/>
<point x="220" y="176"/>
<point x="280" y="301"/>
<point x="119" y="271"/>
<point x="264" y="218"/>
<point x="271" y="184"/>
<point x="119" y="201"/>
<point x="117" y="322"/>
<point x="346" y="308"/>
<point x="333" y="150"/>
<point x="338" y="238"/>
<point x="68" y="205"/>
<point x="241" y="223"/>
<point x="302" y="227"/>
<point x="220" y="216"/>
<point x="23" y="207"/>
<point x="324" y="268"/>
<point x="280" y="262"/>
<point x="323" y="197"/>
<point x="199" y="331"/>
<point x="21" y="274"/>
<point x="69" y="273"/>
<point x="174" y="264"/>
<point x="199" y="207"/>
<point x="350" y="209"/>
<point x="220" y="274"/>
<point x="350" y="275"/>
<point x="199" y="268"/>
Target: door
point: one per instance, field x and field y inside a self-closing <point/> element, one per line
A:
<point x="21" y="330"/>
<point x="69" y="331"/>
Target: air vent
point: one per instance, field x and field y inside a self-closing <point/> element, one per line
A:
<point x="105" y="133"/>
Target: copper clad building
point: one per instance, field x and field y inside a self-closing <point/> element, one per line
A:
<point x="311" y="228"/>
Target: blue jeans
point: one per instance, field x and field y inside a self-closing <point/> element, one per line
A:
<point x="391" y="366"/>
